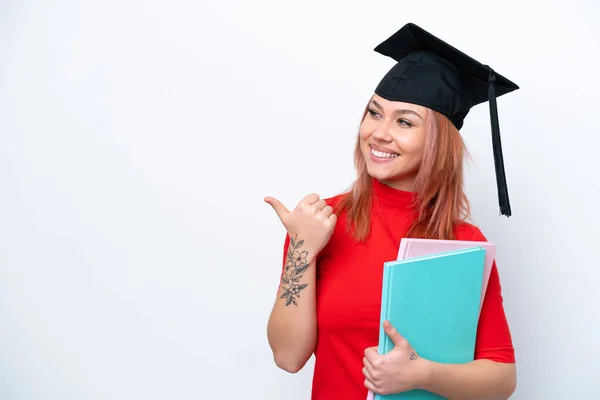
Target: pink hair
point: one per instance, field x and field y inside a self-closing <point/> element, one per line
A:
<point x="441" y="202"/>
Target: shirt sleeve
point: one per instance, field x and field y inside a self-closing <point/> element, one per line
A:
<point x="286" y="245"/>
<point x="494" y="341"/>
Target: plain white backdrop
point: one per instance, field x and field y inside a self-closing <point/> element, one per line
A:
<point x="139" y="138"/>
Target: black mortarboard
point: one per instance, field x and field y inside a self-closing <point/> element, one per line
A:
<point x="431" y="73"/>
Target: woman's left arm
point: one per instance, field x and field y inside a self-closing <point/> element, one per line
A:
<point x="401" y="369"/>
<point x="491" y="375"/>
<point x="477" y="380"/>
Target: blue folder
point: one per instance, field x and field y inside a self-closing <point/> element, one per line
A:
<point x="434" y="302"/>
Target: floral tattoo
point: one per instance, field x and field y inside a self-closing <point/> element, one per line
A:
<point x="296" y="265"/>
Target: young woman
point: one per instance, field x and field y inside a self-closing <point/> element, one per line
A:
<point x="409" y="161"/>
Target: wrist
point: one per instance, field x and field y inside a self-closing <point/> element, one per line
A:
<point x="302" y="249"/>
<point x="426" y="374"/>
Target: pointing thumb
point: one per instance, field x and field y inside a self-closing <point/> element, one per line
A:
<point x="278" y="207"/>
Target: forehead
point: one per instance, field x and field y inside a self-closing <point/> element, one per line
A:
<point x="398" y="105"/>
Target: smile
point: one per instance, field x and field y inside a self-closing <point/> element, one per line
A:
<point x="381" y="154"/>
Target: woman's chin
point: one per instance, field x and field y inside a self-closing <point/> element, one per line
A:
<point x="396" y="180"/>
<point x="381" y="172"/>
<point x="385" y="178"/>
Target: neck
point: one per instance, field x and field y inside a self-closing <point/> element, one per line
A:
<point x="392" y="195"/>
<point x="400" y="184"/>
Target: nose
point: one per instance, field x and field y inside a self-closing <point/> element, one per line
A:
<point x="382" y="132"/>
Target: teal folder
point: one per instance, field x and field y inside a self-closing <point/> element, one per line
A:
<point x="434" y="302"/>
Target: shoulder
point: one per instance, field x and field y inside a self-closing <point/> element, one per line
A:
<point x="468" y="231"/>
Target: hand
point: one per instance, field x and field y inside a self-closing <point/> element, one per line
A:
<point x="312" y="222"/>
<point x="400" y="370"/>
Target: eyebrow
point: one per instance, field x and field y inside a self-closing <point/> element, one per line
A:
<point x="400" y="111"/>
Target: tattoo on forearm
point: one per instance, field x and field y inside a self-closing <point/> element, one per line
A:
<point x="297" y="263"/>
<point x="413" y="356"/>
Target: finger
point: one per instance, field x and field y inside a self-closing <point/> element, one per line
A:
<point x="333" y="219"/>
<point x="327" y="211"/>
<point x="369" y="385"/>
<point x="310" y="199"/>
<point x="393" y="334"/>
<point x="279" y="208"/>
<point x="372" y="355"/>
<point x="320" y="204"/>
<point x="368" y="375"/>
<point x="369" y="368"/>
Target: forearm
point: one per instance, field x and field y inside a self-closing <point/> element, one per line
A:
<point x="477" y="380"/>
<point x="292" y="327"/>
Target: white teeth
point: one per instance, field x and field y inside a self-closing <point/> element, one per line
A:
<point x="381" y="154"/>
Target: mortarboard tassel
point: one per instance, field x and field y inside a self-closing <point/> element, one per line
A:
<point x="497" y="146"/>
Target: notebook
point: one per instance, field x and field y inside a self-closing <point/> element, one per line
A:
<point x="411" y="247"/>
<point x="434" y="302"/>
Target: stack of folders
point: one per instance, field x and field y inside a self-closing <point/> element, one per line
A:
<point x="432" y="294"/>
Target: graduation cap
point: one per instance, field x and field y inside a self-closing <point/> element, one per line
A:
<point x="432" y="73"/>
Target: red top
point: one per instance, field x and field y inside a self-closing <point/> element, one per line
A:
<point x="349" y="280"/>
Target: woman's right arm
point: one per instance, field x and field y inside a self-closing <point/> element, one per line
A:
<point x="292" y="326"/>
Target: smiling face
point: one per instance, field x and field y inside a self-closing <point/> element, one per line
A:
<point x="392" y="138"/>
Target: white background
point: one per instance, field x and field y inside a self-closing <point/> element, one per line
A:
<point x="138" y="139"/>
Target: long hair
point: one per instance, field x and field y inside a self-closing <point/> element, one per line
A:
<point x="440" y="200"/>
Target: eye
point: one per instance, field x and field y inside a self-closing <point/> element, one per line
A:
<point x="373" y="113"/>
<point x="405" y="123"/>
